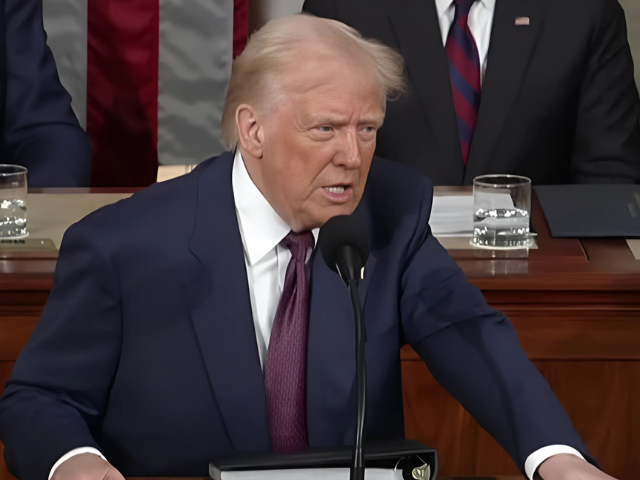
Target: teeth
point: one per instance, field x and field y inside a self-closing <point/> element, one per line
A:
<point x="336" y="190"/>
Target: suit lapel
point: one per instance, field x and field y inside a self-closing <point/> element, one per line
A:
<point x="415" y="24"/>
<point x="218" y="294"/>
<point x="509" y="55"/>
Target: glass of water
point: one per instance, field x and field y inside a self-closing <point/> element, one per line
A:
<point x="13" y="201"/>
<point x="501" y="211"/>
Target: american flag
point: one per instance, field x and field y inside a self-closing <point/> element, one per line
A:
<point x="147" y="77"/>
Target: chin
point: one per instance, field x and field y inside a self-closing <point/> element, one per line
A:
<point x="334" y="212"/>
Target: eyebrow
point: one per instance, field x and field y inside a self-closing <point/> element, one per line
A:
<point x="323" y="120"/>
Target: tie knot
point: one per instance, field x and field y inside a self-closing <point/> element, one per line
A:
<point x="299" y="244"/>
<point x="463" y="7"/>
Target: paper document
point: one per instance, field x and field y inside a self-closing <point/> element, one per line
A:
<point x="452" y="215"/>
<point x="313" y="474"/>
<point x="634" y="245"/>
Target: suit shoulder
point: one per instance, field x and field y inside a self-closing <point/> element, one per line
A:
<point x="357" y="13"/>
<point x="597" y="11"/>
<point x="609" y="9"/>
<point x="160" y="207"/>
<point x="381" y="168"/>
<point x="602" y="5"/>
<point x="400" y="184"/>
<point x="336" y="8"/>
<point x="397" y="201"/>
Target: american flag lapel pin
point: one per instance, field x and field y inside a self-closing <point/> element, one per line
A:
<point x="522" y="21"/>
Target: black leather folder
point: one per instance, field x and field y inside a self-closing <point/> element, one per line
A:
<point x="584" y="211"/>
<point x="409" y="456"/>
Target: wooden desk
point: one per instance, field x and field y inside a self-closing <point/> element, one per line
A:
<point x="575" y="305"/>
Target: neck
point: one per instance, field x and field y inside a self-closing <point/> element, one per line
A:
<point x="253" y="167"/>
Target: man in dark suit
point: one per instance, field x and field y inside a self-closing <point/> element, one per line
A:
<point x="541" y="88"/>
<point x="194" y="320"/>
<point x="37" y="125"/>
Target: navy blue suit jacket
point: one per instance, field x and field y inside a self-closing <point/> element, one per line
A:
<point x="38" y="129"/>
<point x="147" y="351"/>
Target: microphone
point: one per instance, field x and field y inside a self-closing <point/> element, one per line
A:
<point x="344" y="245"/>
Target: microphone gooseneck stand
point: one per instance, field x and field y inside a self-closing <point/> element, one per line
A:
<point x="349" y="264"/>
<point x="344" y="243"/>
<point x="357" y="466"/>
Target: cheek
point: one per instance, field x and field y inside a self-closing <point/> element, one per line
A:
<point x="292" y="182"/>
<point x="366" y="154"/>
<point x="312" y="169"/>
<point x="368" y="148"/>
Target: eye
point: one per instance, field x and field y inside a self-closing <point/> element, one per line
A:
<point x="369" y="129"/>
<point x="325" y="129"/>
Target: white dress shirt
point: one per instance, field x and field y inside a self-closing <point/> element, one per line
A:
<point x="262" y="231"/>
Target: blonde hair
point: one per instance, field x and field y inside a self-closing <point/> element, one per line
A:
<point x="273" y="47"/>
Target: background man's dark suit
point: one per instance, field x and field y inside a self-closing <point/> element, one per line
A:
<point x="559" y="103"/>
<point x="38" y="128"/>
<point x="147" y="350"/>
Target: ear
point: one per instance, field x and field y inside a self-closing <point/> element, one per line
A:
<point x="250" y="133"/>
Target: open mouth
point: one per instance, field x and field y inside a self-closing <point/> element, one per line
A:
<point x="337" y="190"/>
<point x="339" y="193"/>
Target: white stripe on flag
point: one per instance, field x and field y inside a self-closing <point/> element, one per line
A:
<point x="66" y="24"/>
<point x="195" y="55"/>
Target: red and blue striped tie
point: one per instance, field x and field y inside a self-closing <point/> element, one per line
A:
<point x="464" y="71"/>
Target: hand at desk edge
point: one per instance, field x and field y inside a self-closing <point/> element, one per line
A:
<point x="86" y="466"/>
<point x="569" y="467"/>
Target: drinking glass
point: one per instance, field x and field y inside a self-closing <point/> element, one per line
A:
<point x="501" y="211"/>
<point x="13" y="201"/>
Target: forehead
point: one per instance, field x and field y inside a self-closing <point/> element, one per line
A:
<point x="333" y="80"/>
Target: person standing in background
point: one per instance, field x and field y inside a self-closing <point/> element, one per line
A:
<point x="543" y="89"/>
<point x="39" y="129"/>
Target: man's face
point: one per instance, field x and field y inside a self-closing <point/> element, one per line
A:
<point x="319" y="140"/>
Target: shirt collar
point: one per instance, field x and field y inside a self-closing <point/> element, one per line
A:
<point x="443" y="5"/>
<point x="261" y="228"/>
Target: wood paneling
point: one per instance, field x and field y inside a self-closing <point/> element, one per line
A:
<point x="5" y="373"/>
<point x="576" y="333"/>
<point x="602" y="399"/>
<point x="14" y="333"/>
<point x="4" y="473"/>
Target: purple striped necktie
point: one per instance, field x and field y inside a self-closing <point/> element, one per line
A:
<point x="464" y="71"/>
<point x="286" y="370"/>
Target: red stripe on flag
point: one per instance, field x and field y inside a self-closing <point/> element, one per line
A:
<point x="240" y="26"/>
<point x="122" y="91"/>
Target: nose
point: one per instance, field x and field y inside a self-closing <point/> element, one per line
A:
<point x="349" y="154"/>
